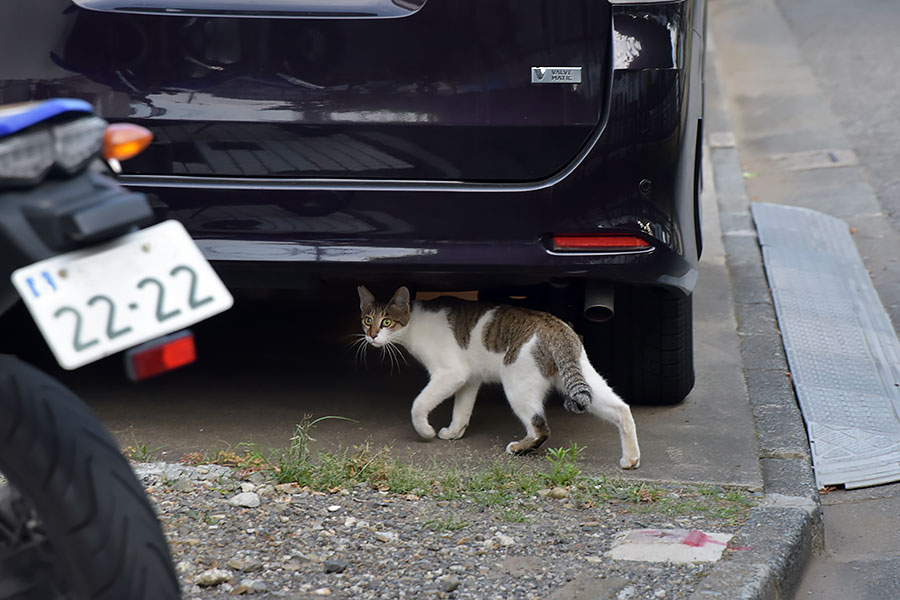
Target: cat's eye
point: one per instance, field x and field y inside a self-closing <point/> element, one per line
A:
<point x="386" y="322"/>
<point x="367" y="321"/>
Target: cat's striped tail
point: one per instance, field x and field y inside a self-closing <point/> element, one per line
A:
<point x="568" y="362"/>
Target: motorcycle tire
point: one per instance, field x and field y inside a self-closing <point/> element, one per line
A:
<point x="74" y="519"/>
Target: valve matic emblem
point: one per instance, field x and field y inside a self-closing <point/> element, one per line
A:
<point x="555" y="74"/>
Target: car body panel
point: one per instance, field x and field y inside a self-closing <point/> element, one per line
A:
<point x="469" y="196"/>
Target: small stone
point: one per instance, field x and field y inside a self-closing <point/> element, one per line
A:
<point x="385" y="536"/>
<point x="212" y="577"/>
<point x="660" y="593"/>
<point x="192" y="541"/>
<point x="184" y="566"/>
<point x="559" y="492"/>
<point x="350" y="521"/>
<point x="447" y="583"/>
<point x="287" y="488"/>
<point x="247" y="487"/>
<point x="543" y="493"/>
<point x="245" y="499"/>
<point x="505" y="540"/>
<point x="183" y="485"/>
<point x="265" y="490"/>
<point x="626" y="593"/>
<point x="245" y="564"/>
<point x="334" y="508"/>
<point x="291" y="565"/>
<point x="335" y="566"/>
<point x="322" y="592"/>
<point x="249" y="586"/>
<point x="257" y="477"/>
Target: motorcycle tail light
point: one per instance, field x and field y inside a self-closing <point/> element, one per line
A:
<point x="599" y="242"/>
<point x="125" y="140"/>
<point x="77" y="142"/>
<point x="26" y="157"/>
<point x="160" y="355"/>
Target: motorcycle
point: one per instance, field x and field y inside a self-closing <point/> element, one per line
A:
<point x="98" y="278"/>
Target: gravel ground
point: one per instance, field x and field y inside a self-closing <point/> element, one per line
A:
<point x="234" y="537"/>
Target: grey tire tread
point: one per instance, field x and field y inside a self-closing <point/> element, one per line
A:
<point x="103" y="529"/>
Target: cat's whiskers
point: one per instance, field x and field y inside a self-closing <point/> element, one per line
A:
<point x="359" y="346"/>
<point x="398" y="351"/>
<point x="395" y="354"/>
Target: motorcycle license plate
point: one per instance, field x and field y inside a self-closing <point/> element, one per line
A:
<point x="94" y="302"/>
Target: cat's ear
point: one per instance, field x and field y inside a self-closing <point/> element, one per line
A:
<point x="366" y="299"/>
<point x="401" y="299"/>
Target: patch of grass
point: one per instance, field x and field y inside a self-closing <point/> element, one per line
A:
<point x="449" y="523"/>
<point x="140" y="452"/>
<point x="500" y="487"/>
<point x="512" y="515"/>
<point x="729" y="504"/>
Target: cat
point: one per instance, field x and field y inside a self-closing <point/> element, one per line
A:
<point x="463" y="344"/>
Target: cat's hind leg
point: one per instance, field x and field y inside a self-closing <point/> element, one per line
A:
<point x="609" y="406"/>
<point x="463" y="404"/>
<point x="526" y="389"/>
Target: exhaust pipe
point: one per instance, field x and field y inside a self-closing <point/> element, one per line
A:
<point x="599" y="301"/>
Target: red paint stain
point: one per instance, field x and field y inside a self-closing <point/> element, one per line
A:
<point x="698" y="539"/>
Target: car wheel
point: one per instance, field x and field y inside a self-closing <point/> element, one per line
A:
<point x="646" y="351"/>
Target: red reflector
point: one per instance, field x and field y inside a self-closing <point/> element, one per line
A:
<point x="599" y="242"/>
<point x="159" y="356"/>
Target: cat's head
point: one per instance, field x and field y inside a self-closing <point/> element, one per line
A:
<point x="383" y="322"/>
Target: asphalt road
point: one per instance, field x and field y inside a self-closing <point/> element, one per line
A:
<point x="806" y="80"/>
<point x="853" y="51"/>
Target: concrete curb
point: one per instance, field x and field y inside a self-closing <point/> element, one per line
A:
<point x="772" y="549"/>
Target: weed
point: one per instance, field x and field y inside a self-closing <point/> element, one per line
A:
<point x="512" y="515"/>
<point x="140" y="452"/>
<point x="492" y="498"/>
<point x="563" y="470"/>
<point x="449" y="523"/>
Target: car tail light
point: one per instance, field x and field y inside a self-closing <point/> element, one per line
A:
<point x="160" y="355"/>
<point x="125" y="140"/>
<point x="599" y="242"/>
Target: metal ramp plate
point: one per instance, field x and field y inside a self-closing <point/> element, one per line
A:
<point x="842" y="349"/>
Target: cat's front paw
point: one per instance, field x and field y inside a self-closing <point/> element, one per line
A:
<point x="630" y="463"/>
<point x="448" y="434"/>
<point x="425" y="431"/>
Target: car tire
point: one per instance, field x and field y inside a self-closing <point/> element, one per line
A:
<point x="74" y="519"/>
<point x="646" y="350"/>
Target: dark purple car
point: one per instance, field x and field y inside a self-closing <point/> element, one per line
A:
<point x="539" y="149"/>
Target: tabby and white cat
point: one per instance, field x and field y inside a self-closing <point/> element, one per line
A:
<point x="464" y="344"/>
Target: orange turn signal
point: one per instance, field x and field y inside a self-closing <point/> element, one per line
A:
<point x="601" y="242"/>
<point x="124" y="140"/>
